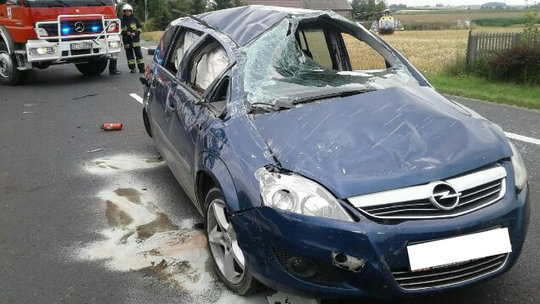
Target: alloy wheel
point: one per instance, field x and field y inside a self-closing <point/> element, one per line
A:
<point x="223" y="243"/>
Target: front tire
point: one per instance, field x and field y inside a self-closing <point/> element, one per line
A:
<point x="227" y="257"/>
<point x="93" y="67"/>
<point x="9" y="74"/>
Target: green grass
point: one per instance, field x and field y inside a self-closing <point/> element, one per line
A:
<point x="478" y="88"/>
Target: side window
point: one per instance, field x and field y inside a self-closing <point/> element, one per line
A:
<point x="363" y="56"/>
<point x="16" y="2"/>
<point x="164" y="44"/>
<point x="222" y="91"/>
<point x="186" y="38"/>
<point x="207" y="65"/>
<point x="314" y="45"/>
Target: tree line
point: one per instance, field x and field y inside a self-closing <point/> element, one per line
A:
<point x="160" y="12"/>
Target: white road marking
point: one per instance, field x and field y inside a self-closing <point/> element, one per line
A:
<point x="136" y="97"/>
<point x="526" y="139"/>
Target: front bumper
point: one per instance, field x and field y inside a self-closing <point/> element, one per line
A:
<point x="265" y="235"/>
<point x="63" y="52"/>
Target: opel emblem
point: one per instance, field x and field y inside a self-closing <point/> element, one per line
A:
<point x="79" y="27"/>
<point x="444" y="196"/>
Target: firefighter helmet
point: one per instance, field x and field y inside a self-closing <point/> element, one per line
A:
<point x="127" y="7"/>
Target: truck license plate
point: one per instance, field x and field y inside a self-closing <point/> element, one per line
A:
<point x="81" y="46"/>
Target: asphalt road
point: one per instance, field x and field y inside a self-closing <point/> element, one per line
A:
<point x="61" y="205"/>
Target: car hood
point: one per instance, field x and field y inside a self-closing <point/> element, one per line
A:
<point x="381" y="140"/>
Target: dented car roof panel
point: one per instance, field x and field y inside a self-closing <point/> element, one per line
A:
<point x="245" y="23"/>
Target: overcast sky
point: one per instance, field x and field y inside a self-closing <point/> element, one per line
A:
<point x="456" y="2"/>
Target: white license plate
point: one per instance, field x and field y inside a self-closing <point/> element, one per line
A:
<point x="81" y="46"/>
<point x="459" y="249"/>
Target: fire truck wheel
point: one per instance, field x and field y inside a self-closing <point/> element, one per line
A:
<point x="9" y="74"/>
<point x="93" y="67"/>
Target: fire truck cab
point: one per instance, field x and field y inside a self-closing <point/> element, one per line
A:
<point x="41" y="33"/>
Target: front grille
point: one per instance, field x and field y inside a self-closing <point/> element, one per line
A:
<point x="452" y="275"/>
<point x="326" y="275"/>
<point x="477" y="190"/>
<point x="90" y="27"/>
<point x="470" y="199"/>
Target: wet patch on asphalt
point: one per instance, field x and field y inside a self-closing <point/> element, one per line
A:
<point x="141" y="237"/>
<point x="115" y="164"/>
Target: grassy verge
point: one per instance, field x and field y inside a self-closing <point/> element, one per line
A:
<point x="152" y="36"/>
<point x="478" y="88"/>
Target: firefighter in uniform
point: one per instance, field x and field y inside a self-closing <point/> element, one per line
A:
<point x="131" y="32"/>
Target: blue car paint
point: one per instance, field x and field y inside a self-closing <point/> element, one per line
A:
<point x="383" y="246"/>
<point x="382" y="140"/>
<point x="231" y="148"/>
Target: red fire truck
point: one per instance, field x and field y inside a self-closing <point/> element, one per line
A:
<point x="41" y="33"/>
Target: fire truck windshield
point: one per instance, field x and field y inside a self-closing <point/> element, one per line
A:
<point x="67" y="3"/>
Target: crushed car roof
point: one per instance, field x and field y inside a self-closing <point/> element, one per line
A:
<point x="243" y="24"/>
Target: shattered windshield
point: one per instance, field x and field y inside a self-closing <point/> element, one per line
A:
<point x="280" y="68"/>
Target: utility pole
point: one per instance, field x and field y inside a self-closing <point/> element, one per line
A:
<point x="145" y="11"/>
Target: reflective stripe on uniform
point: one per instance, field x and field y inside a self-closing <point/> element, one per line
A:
<point x="127" y="46"/>
<point x="131" y="61"/>
<point x="140" y="61"/>
<point x="136" y="44"/>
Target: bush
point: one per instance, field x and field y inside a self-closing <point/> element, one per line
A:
<point x="428" y="26"/>
<point x="151" y="25"/>
<point x="501" y="22"/>
<point x="520" y="64"/>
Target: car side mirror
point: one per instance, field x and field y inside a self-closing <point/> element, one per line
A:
<point x="151" y="51"/>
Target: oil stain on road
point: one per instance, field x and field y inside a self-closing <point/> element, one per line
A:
<point x="141" y="237"/>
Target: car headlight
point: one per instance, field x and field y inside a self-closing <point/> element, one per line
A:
<point x="520" y="172"/>
<point x="296" y="194"/>
<point x="114" y="44"/>
<point x="42" y="32"/>
<point x="44" y="50"/>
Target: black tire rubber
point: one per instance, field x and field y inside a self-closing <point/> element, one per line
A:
<point x="93" y="67"/>
<point x="249" y="284"/>
<point x="146" y="122"/>
<point x="16" y="77"/>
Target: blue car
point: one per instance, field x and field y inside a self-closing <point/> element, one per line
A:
<point x="325" y="164"/>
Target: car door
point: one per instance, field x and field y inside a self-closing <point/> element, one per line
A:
<point x="163" y="84"/>
<point x="11" y="15"/>
<point x="204" y="65"/>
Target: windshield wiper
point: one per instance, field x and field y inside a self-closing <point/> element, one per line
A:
<point x="265" y="107"/>
<point x="331" y="95"/>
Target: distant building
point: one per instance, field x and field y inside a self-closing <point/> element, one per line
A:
<point x="342" y="7"/>
<point x="494" y="5"/>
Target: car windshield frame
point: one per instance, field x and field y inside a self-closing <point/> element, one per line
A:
<point x="276" y="69"/>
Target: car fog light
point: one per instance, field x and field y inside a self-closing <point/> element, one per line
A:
<point x="302" y="267"/>
<point x="44" y="50"/>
